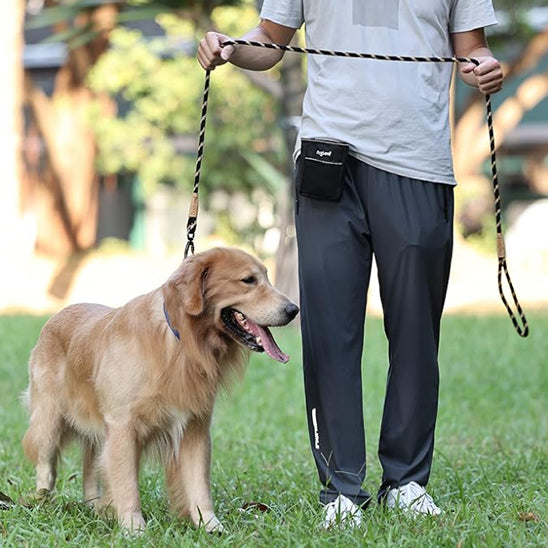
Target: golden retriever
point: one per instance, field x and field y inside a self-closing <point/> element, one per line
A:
<point x="145" y="375"/>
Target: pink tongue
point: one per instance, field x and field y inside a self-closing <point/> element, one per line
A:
<point x="268" y="342"/>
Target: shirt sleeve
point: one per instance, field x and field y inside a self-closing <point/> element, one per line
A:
<point x="288" y="13"/>
<point x="471" y="14"/>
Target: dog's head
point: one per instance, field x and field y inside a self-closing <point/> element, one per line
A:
<point x="229" y="290"/>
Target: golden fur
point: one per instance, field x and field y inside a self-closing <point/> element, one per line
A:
<point x="120" y="381"/>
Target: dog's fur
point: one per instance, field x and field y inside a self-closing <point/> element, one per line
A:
<point x="120" y="380"/>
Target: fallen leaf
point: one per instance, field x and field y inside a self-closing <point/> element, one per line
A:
<point x="253" y="505"/>
<point x="528" y="516"/>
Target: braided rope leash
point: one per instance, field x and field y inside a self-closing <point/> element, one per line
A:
<point x="192" y="222"/>
<point x="523" y="329"/>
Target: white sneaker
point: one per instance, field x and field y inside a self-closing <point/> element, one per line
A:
<point x="343" y="512"/>
<point x="412" y="498"/>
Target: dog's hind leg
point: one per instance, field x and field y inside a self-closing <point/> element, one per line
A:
<point x="44" y="437"/>
<point x="92" y="490"/>
<point x="188" y="476"/>
<point x="42" y="443"/>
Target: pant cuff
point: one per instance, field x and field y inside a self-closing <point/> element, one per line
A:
<point x="362" y="499"/>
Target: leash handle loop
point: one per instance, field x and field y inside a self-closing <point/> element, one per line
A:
<point x="523" y="329"/>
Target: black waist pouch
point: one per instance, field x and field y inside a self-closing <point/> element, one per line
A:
<point x="323" y="163"/>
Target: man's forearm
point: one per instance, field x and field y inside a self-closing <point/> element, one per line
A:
<point x="211" y="53"/>
<point x="254" y="58"/>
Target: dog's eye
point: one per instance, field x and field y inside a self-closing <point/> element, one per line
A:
<point x="250" y="280"/>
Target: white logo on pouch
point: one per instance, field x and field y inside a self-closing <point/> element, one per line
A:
<point x="322" y="153"/>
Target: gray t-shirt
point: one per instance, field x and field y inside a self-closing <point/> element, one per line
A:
<point x="394" y="115"/>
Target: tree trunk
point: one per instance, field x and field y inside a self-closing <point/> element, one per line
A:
<point x="11" y="47"/>
<point x="292" y="80"/>
<point x="64" y="192"/>
<point x="65" y="195"/>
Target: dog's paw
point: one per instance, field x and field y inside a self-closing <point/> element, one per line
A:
<point x="132" y="524"/>
<point x="104" y="508"/>
<point x="213" y="525"/>
<point x="41" y="496"/>
<point x="206" y="519"/>
<point x="95" y="504"/>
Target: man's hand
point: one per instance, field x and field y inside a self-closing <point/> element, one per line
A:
<point x="488" y="74"/>
<point x="210" y="52"/>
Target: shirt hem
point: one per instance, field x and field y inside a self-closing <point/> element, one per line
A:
<point x="411" y="174"/>
<point x="418" y="176"/>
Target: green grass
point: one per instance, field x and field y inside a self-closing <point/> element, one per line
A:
<point x="490" y="471"/>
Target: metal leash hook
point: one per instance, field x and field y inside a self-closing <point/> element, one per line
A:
<point x="191" y="224"/>
<point x="523" y="331"/>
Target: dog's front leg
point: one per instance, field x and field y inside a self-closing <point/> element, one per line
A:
<point x="188" y="476"/>
<point x="121" y="457"/>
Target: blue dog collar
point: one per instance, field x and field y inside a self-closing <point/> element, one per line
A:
<point x="173" y="330"/>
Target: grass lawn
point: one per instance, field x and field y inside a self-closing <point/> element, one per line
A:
<point x="490" y="473"/>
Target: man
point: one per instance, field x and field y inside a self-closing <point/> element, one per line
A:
<point x="374" y="176"/>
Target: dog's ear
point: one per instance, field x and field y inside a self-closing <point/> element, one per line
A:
<point x="187" y="284"/>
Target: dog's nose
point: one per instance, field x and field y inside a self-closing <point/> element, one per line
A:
<point x="291" y="310"/>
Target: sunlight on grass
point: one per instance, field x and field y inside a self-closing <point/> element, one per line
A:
<point x="489" y="473"/>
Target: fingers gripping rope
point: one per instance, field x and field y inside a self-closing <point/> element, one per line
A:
<point x="523" y="330"/>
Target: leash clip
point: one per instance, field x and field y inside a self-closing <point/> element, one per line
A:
<point x="189" y="247"/>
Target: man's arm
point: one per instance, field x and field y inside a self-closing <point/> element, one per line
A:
<point x="211" y="54"/>
<point x="487" y="76"/>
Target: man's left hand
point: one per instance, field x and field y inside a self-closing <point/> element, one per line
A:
<point x="488" y="73"/>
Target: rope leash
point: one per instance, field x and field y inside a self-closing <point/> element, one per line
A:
<point x="523" y="329"/>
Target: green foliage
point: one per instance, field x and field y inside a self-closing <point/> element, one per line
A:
<point x="77" y="33"/>
<point x="489" y="471"/>
<point x="517" y="5"/>
<point x="203" y="5"/>
<point x="517" y="25"/>
<point x="159" y="95"/>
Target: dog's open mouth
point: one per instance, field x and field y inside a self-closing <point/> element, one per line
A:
<point x="256" y="337"/>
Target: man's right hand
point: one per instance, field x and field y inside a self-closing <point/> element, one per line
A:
<point x="210" y="52"/>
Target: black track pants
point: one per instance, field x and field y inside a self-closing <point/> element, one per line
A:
<point x="408" y="225"/>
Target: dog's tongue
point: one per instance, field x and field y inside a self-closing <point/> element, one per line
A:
<point x="268" y="343"/>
